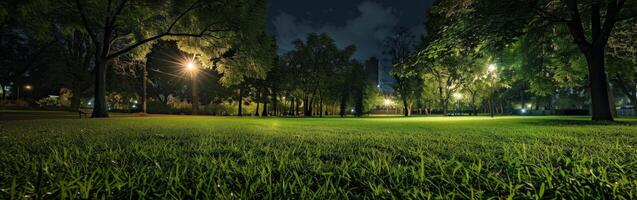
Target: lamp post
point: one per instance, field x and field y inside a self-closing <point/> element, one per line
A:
<point x="192" y="69"/>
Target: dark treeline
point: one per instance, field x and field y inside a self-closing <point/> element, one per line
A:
<point x="214" y="57"/>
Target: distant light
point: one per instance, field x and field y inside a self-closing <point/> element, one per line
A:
<point x="28" y="87"/>
<point x="492" y="67"/>
<point x="388" y="102"/>
<point x="457" y="96"/>
<point x="523" y="110"/>
<point x="134" y="106"/>
<point x="352" y="110"/>
<point x="529" y="105"/>
<point x="190" y="66"/>
<point x="135" y="101"/>
<point x="378" y="86"/>
<point x="89" y="103"/>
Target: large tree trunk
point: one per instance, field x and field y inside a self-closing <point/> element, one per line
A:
<point x="265" y="104"/>
<point x="600" y="108"/>
<point x="406" y="111"/>
<point x="100" y="109"/>
<point x="306" y="106"/>
<point x="292" y="106"/>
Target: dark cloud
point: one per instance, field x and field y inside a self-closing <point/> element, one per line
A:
<point x="365" y="24"/>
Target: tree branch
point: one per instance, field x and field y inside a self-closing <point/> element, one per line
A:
<point x="549" y="16"/>
<point x="612" y="12"/>
<point x="85" y="22"/>
<point x="120" y="7"/>
<point x="150" y="39"/>
<point x="575" y="26"/>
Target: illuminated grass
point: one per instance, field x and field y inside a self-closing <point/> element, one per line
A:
<point x="332" y="158"/>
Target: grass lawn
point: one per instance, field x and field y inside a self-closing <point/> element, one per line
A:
<point x="329" y="158"/>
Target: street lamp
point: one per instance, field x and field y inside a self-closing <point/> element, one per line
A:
<point x="192" y="69"/>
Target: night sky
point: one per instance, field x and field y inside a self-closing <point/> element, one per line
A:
<point x="363" y="23"/>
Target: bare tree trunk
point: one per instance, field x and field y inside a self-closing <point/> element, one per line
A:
<point x="100" y="109"/>
<point x="599" y="87"/>
<point x="256" y="111"/>
<point x="265" y="103"/>
<point x="406" y="111"/>
<point x="275" y="102"/>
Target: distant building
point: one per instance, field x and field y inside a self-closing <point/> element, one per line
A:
<point x="378" y="73"/>
<point x="374" y="70"/>
<point x="386" y="80"/>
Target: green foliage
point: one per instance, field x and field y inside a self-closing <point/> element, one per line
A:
<point x="419" y="158"/>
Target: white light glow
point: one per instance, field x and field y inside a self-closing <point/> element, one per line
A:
<point x="388" y="102"/>
<point x="457" y="96"/>
<point x="492" y="68"/>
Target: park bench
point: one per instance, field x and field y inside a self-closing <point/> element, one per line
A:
<point x="85" y="111"/>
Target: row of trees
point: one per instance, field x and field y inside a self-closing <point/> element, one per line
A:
<point x="485" y="50"/>
<point x="103" y="37"/>
<point x="316" y="78"/>
<point x="119" y="50"/>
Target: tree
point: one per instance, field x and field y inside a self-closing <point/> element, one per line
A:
<point x="117" y="28"/>
<point x="398" y="47"/>
<point x="622" y="50"/>
<point x="317" y="62"/>
<point x="589" y="22"/>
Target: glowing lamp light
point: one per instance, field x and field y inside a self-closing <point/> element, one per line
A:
<point x="388" y="102"/>
<point x="457" y="96"/>
<point x="492" y="67"/>
<point x="28" y="87"/>
<point x="134" y="106"/>
<point x="523" y="110"/>
<point x="190" y="66"/>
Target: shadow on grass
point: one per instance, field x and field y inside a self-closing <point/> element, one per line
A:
<point x="579" y="122"/>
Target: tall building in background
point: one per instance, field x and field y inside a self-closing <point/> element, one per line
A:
<point x="374" y="70"/>
<point x="386" y="80"/>
<point x="378" y="73"/>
